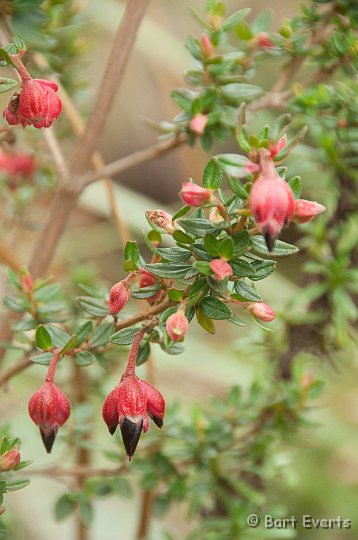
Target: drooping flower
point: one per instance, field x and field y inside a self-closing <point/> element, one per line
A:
<point x="49" y="408"/>
<point x="271" y="201"/>
<point x="177" y="325"/>
<point x="194" y="195"/>
<point x="305" y="211"/>
<point x="35" y="104"/>
<point x="128" y="405"/>
<point x="221" y="269"/>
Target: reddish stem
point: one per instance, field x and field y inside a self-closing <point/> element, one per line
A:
<point x="24" y="74"/>
<point x="52" y="367"/>
<point x="130" y="369"/>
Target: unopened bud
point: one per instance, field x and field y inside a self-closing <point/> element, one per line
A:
<point x="161" y="219"/>
<point x="9" y="460"/>
<point x="264" y="41"/>
<point x="118" y="297"/>
<point x="146" y="280"/>
<point x="261" y="311"/>
<point x="221" y="269"/>
<point x="177" y="326"/>
<point x="276" y="147"/>
<point x="307" y="210"/>
<point x="206" y="46"/>
<point x="194" y="195"/>
<point x="198" y="123"/>
<point x="26" y="282"/>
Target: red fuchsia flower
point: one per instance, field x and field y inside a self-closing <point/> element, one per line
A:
<point x="118" y="297"/>
<point x="261" y="311"/>
<point x="307" y="210"/>
<point x="161" y="219"/>
<point x="128" y="405"/>
<point x="221" y="269"/>
<point x="198" y="123"/>
<point x="194" y="195"/>
<point x="147" y="280"/>
<point x="276" y="147"/>
<point x="206" y="46"/>
<point x="177" y="325"/>
<point x="49" y="408"/>
<point x="9" y="460"/>
<point x="264" y="41"/>
<point x="271" y="200"/>
<point x="36" y="104"/>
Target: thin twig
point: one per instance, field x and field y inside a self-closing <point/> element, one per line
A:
<point x="118" y="59"/>
<point x="132" y="160"/>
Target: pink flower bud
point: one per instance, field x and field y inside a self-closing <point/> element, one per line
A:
<point x="36" y="104"/>
<point x="9" y="460"/>
<point x="275" y="148"/>
<point x="49" y="408"/>
<point x="261" y="311"/>
<point x="307" y="210"/>
<point x="26" y="282"/>
<point x="177" y="326"/>
<point x="194" y="195"/>
<point x="118" y="297"/>
<point x="271" y="202"/>
<point x="206" y="46"/>
<point x="128" y="405"/>
<point x="146" y="280"/>
<point x="264" y="41"/>
<point x="198" y="123"/>
<point x="221" y="269"/>
<point x="161" y="219"/>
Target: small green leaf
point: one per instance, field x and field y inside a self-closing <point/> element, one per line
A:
<point x="85" y="358"/>
<point x="102" y="334"/>
<point x="143" y="354"/>
<point x="214" y="308"/>
<point x="235" y="19"/>
<point x="281" y="248"/>
<point x="213" y="175"/>
<point x="58" y="336"/>
<point x="182" y="238"/>
<point x="43" y="338"/>
<point x="93" y="306"/>
<point x="296" y="185"/>
<point x="184" y="210"/>
<point x="197" y="226"/>
<point x="174" y="254"/>
<point x="176" y="295"/>
<point x="72" y="342"/>
<point x="203" y="267"/>
<point x="42" y="359"/>
<point x="205" y="322"/>
<point x="146" y="292"/>
<point x="240" y="91"/>
<point x="13" y="279"/>
<point x="125" y="336"/>
<point x="64" y="507"/>
<point x="131" y="254"/>
<point x="246" y="291"/>
<point x="235" y="320"/>
<point x="17" y="484"/>
<point x="226" y="248"/>
<point x="171" y="271"/>
<point x="212" y="245"/>
<point x="83" y="331"/>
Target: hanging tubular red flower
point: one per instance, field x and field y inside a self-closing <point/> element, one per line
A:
<point x="49" y="408"/>
<point x="35" y="104"/>
<point x="271" y="200"/>
<point x="128" y="405"/>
